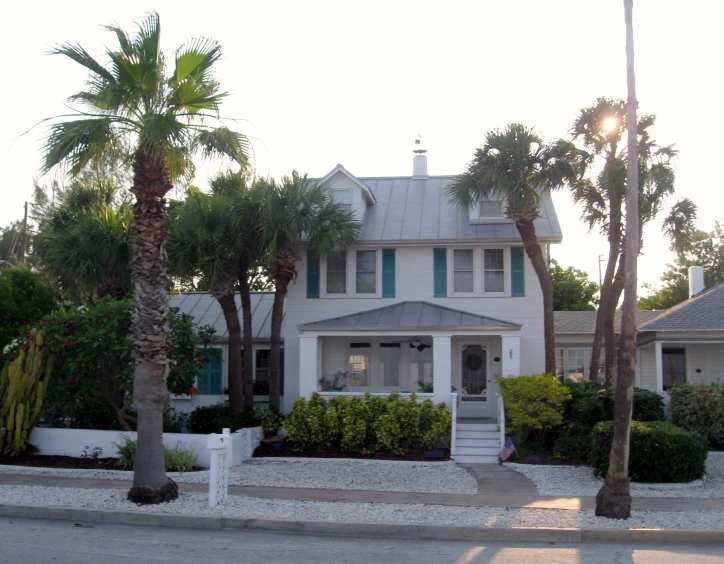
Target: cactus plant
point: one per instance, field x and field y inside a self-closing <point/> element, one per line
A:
<point x="22" y="389"/>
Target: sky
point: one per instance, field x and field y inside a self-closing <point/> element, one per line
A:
<point x="314" y="84"/>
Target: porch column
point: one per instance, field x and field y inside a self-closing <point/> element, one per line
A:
<point x="510" y="355"/>
<point x="442" y="368"/>
<point x="308" y="365"/>
<point x="659" y="363"/>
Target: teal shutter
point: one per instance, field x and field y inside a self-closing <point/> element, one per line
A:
<point x="281" y="372"/>
<point x="388" y="273"/>
<point x="517" y="273"/>
<point x="312" y="276"/>
<point x="440" y="272"/>
<point x="210" y="377"/>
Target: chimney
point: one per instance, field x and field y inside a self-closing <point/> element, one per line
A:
<point x="696" y="280"/>
<point x="419" y="162"/>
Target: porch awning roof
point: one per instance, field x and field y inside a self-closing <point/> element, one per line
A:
<point x="411" y="316"/>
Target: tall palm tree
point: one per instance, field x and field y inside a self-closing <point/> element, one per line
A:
<point x="85" y="242"/>
<point x="202" y="242"/>
<point x="295" y="213"/>
<point x="614" y="498"/>
<point x="600" y="128"/>
<point x="516" y="166"/>
<point x="167" y="116"/>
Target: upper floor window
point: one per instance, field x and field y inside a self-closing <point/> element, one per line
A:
<point x="366" y="270"/>
<point x="337" y="273"/>
<point x="491" y="209"/>
<point x="343" y="198"/>
<point x="463" y="270"/>
<point x="493" y="270"/>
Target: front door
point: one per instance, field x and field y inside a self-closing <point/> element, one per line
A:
<point x="474" y="378"/>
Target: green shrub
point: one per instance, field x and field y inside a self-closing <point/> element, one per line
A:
<point x="367" y="424"/>
<point x="533" y="403"/>
<point x="700" y="408"/>
<point x="174" y="421"/>
<point x="213" y="418"/>
<point x="574" y="441"/>
<point x="176" y="459"/>
<point x="659" y="452"/>
<point x="269" y="419"/>
<point x="647" y="406"/>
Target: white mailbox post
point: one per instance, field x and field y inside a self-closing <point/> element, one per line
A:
<point x="220" y="446"/>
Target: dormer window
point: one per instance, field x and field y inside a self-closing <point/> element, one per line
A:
<point x="343" y="198"/>
<point x="491" y="209"/>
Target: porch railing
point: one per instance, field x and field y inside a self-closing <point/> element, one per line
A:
<point x="501" y="419"/>
<point x="453" y="432"/>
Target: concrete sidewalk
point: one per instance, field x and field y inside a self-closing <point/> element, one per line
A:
<point x="497" y="487"/>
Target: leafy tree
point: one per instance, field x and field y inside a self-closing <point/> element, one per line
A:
<point x="600" y="128"/>
<point x="295" y="213"/>
<point x="164" y="119"/>
<point x="516" y="166"/>
<point x="24" y="299"/>
<point x="12" y="240"/>
<point x="84" y="243"/>
<point x="572" y="290"/>
<point x="704" y="249"/>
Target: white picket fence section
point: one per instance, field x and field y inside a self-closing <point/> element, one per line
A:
<point x="219" y="446"/>
<point x="72" y="442"/>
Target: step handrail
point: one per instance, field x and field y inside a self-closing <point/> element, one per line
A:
<point x="453" y="433"/>
<point x="501" y="419"/>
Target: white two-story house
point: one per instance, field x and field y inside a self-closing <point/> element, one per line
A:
<point x="435" y="300"/>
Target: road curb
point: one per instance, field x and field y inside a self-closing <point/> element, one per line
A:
<point x="373" y="530"/>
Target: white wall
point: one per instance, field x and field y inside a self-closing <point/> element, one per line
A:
<point x="414" y="282"/>
<point x="647" y="367"/>
<point x="71" y="442"/>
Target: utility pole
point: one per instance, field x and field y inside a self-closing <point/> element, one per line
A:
<point x="25" y="235"/>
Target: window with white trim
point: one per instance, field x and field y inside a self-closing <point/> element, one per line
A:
<point x="343" y="198"/>
<point x="572" y="363"/>
<point x="490" y="209"/>
<point x="493" y="270"/>
<point x="463" y="270"/>
<point x="337" y="273"/>
<point x="358" y="363"/>
<point x="390" y="360"/>
<point x="366" y="272"/>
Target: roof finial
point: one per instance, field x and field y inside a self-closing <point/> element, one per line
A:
<point x="419" y="150"/>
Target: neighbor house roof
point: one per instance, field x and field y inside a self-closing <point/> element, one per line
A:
<point x="410" y="316"/>
<point x="206" y="311"/>
<point x="584" y="322"/>
<point x="416" y="210"/>
<point x="703" y="312"/>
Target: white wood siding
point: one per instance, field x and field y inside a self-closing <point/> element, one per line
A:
<point x="709" y="359"/>
<point x="647" y="365"/>
<point x="414" y="281"/>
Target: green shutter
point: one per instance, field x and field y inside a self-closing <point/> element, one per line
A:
<point x="210" y="375"/>
<point x="440" y="272"/>
<point x="388" y="273"/>
<point x="312" y="276"/>
<point x="281" y="372"/>
<point x="517" y="273"/>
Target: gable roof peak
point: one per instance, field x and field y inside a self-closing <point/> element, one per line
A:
<point x="339" y="169"/>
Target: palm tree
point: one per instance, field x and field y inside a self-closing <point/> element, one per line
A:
<point x="614" y="498"/>
<point x="295" y="213"/>
<point x="601" y="128"/>
<point x="515" y="165"/>
<point x="85" y="242"/>
<point x="202" y="242"/>
<point x="166" y="116"/>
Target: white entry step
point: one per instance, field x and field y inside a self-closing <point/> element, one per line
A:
<point x="476" y="442"/>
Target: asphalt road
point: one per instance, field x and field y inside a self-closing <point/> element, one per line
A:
<point x="29" y="541"/>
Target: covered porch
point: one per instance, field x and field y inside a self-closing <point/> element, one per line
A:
<point x="411" y="347"/>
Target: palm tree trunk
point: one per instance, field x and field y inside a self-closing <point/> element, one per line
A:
<point x="231" y="316"/>
<point x="150" y="328"/>
<point x="611" y="362"/>
<point x="535" y="254"/>
<point x="248" y="364"/>
<point x="614" y="498"/>
<point x="281" y="284"/>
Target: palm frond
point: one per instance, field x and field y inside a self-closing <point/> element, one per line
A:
<point x="196" y="58"/>
<point x="81" y="56"/>
<point x="223" y="142"/>
<point x="78" y="142"/>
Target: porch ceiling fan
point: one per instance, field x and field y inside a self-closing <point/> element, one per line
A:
<point x="416" y="343"/>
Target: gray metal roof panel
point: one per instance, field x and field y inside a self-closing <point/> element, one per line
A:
<point x="409" y="315"/>
<point x="703" y="312"/>
<point x="584" y="322"/>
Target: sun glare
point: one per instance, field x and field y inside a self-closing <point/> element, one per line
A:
<point x="610" y="124"/>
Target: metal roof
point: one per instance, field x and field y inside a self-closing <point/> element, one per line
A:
<point x="206" y="311"/>
<point x="416" y="210"/>
<point x="584" y="322"/>
<point x="703" y="312"/>
<point x="406" y="316"/>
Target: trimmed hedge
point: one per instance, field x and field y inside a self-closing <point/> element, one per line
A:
<point x="659" y="452"/>
<point x="700" y="408"/>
